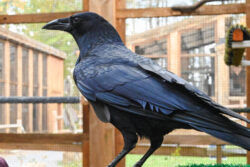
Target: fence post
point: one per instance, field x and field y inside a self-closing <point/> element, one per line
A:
<point x="218" y="154"/>
<point x="120" y="26"/>
<point x="59" y="117"/>
<point x="85" y="142"/>
<point x="101" y="141"/>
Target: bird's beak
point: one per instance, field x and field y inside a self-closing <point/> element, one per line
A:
<point x="62" y="24"/>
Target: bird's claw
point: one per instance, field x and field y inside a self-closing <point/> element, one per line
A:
<point x="110" y="165"/>
<point x="137" y="165"/>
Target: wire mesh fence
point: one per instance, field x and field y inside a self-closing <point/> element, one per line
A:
<point x="193" y="48"/>
<point x="169" y="3"/>
<point x="31" y="154"/>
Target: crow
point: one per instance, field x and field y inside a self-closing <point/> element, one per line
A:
<point x="136" y="95"/>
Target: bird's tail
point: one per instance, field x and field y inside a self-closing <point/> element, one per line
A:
<point x="237" y="139"/>
<point x="218" y="126"/>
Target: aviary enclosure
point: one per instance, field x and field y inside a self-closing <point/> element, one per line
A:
<point x="57" y="127"/>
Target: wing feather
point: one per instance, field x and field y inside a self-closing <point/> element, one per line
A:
<point x="202" y="97"/>
<point x="134" y="80"/>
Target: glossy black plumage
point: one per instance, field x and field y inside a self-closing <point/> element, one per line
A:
<point x="138" y="96"/>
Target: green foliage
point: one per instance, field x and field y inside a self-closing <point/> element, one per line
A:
<point x="56" y="39"/>
<point x="176" y="161"/>
<point x="11" y="6"/>
<point x="221" y="165"/>
<point x="34" y="6"/>
<point x="71" y="164"/>
<point x="176" y="152"/>
<point x="59" y="40"/>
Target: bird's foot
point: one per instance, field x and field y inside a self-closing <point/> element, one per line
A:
<point x="110" y="165"/>
<point x="137" y="165"/>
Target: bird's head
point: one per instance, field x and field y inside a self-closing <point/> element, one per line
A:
<point x="85" y="27"/>
<point x="78" y="24"/>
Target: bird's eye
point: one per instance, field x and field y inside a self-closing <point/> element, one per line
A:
<point x="76" y="20"/>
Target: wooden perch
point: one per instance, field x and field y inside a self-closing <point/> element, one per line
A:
<point x="189" y="9"/>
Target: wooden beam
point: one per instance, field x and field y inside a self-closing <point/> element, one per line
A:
<point x="146" y="12"/>
<point x="193" y="140"/>
<point x="186" y="151"/>
<point x="35" y="138"/>
<point x="33" y="18"/>
<point x="126" y="13"/>
<point x="44" y="147"/>
<point x="166" y="12"/>
<point x="141" y="147"/>
<point x="69" y="138"/>
<point x="7" y="35"/>
<point x="189" y="140"/>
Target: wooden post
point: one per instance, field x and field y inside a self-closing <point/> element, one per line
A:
<point x="30" y="92"/>
<point x="7" y="81"/>
<point x="102" y="145"/>
<point x="174" y="50"/>
<point x="120" y="23"/>
<point x="85" y="6"/>
<point x="59" y="117"/>
<point x="120" y="26"/>
<point x="248" y="69"/>
<point x="85" y="143"/>
<point x="218" y="154"/>
<point x="105" y="140"/>
<point x="221" y="89"/>
<point x="85" y="114"/>
<point x="40" y="91"/>
<point x="54" y="88"/>
<point x="19" y="85"/>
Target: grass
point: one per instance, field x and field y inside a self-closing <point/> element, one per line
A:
<point x="179" y="161"/>
<point x="223" y="165"/>
<point x="175" y="161"/>
<point x="70" y="164"/>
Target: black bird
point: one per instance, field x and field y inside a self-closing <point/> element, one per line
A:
<point x="136" y="95"/>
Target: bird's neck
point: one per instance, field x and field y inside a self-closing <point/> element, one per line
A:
<point x="96" y="37"/>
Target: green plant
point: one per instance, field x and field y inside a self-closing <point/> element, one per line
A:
<point x="221" y="165"/>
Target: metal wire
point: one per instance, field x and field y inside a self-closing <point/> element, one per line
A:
<point x="68" y="99"/>
<point x="40" y="99"/>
